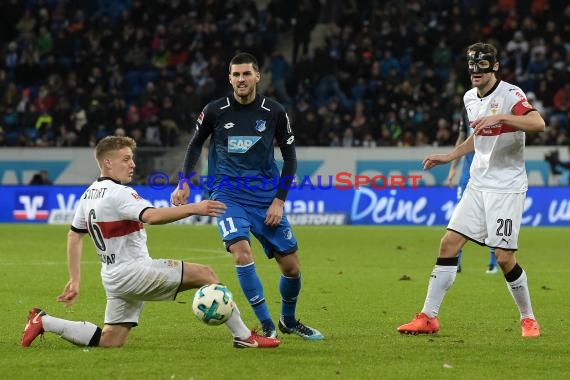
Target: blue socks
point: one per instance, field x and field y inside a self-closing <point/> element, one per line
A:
<point x="253" y="290"/>
<point x="289" y="287"/>
<point x="492" y="258"/>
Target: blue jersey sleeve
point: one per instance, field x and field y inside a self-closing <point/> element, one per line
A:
<point x="286" y="141"/>
<point x="204" y="128"/>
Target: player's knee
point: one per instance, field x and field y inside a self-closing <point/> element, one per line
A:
<point x="289" y="264"/>
<point x="450" y="244"/>
<point x="241" y="252"/>
<point x="209" y="276"/>
<point x="447" y="248"/>
<point x="112" y="340"/>
<point x="242" y="257"/>
<point x="505" y="259"/>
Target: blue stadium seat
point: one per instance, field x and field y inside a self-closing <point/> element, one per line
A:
<point x="132" y="78"/>
<point x="32" y="133"/>
<point x="150" y="76"/>
<point x="11" y="137"/>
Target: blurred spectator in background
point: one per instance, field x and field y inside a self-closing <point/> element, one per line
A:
<point x="304" y="21"/>
<point x="41" y="178"/>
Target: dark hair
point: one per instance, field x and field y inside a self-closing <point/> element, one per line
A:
<point x="483" y="48"/>
<point x="240" y="58"/>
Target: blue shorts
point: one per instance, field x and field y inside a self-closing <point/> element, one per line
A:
<point x="236" y="223"/>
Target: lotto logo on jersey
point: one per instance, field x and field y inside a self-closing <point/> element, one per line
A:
<point x="241" y="144"/>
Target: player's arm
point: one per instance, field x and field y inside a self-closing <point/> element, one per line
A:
<point x="204" y="128"/>
<point x="166" y="215"/>
<point x="453" y="165"/>
<point x="74" y="253"/>
<point x="459" y="151"/>
<point x="286" y="140"/>
<point x="522" y="117"/>
<point x="463" y="132"/>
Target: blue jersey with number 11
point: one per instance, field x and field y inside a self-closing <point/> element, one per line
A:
<point x="241" y="162"/>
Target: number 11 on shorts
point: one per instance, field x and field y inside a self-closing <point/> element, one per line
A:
<point x="231" y="225"/>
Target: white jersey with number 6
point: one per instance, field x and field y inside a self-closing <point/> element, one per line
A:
<point x="110" y="213"/>
<point x="498" y="164"/>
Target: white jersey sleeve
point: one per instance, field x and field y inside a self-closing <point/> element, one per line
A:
<point x="130" y="205"/>
<point x="79" y="222"/>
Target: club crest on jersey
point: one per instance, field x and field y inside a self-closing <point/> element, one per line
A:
<point x="136" y="196"/>
<point x="494" y="106"/>
<point x="172" y="263"/>
<point x="241" y="144"/>
<point x="260" y="125"/>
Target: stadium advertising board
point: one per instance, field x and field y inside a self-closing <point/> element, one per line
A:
<point x="544" y="206"/>
<point x="75" y="166"/>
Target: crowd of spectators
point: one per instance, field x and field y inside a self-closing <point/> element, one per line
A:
<point x="75" y="71"/>
<point x="389" y="73"/>
<point x="394" y="73"/>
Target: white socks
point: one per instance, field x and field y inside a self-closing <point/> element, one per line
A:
<point x="521" y="295"/>
<point x="236" y="325"/>
<point x="79" y="333"/>
<point x="442" y="278"/>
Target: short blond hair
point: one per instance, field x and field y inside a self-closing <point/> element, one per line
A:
<point x="111" y="144"/>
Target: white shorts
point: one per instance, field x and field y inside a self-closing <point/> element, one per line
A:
<point x="155" y="280"/>
<point x="491" y="219"/>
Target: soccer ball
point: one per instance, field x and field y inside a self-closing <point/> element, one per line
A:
<point x="213" y="304"/>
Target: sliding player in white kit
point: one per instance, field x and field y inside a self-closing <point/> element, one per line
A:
<point x="490" y="211"/>
<point x="114" y="215"/>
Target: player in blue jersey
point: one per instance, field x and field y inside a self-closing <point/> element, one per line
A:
<point x="464" y="132"/>
<point x="243" y="174"/>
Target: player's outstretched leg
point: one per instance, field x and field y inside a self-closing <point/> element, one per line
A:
<point x="79" y="333"/>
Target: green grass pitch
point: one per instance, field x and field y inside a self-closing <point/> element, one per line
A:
<point x="352" y="292"/>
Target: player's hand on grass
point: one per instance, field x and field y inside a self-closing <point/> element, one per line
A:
<point x="70" y="293"/>
<point x="180" y="194"/>
<point x="434" y="160"/>
<point x="274" y="213"/>
<point x="209" y="208"/>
